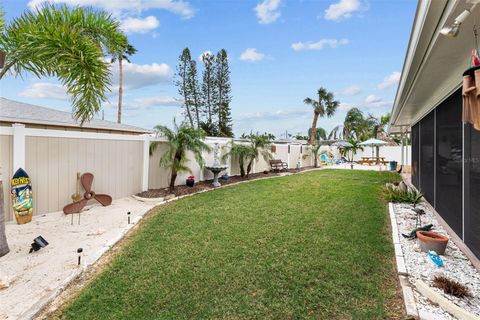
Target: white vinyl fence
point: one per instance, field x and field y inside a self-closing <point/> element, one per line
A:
<point x="120" y="163"/>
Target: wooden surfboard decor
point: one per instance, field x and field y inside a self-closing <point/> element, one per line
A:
<point x="22" y="196"/>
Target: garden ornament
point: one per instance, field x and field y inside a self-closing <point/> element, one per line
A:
<point x="413" y="233"/>
<point x="435" y="258"/>
<point x="76" y="207"/>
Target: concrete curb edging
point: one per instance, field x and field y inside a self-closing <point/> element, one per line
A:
<point x="407" y="291"/>
<point x="32" y="312"/>
<point x="444" y="303"/>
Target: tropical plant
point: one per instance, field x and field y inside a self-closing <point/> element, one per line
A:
<point x="393" y="193"/>
<point x="180" y="140"/>
<point x="320" y="134"/>
<point x="351" y="151"/>
<point x="259" y="146"/>
<point x="325" y="105"/>
<point x="68" y="43"/>
<point x="123" y="54"/>
<point x="242" y="153"/>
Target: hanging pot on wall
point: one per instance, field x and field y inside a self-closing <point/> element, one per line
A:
<point x="2" y="58"/>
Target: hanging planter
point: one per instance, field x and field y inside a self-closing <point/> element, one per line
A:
<point x="2" y="58"/>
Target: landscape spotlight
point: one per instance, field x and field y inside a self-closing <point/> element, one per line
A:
<point x="38" y="243"/>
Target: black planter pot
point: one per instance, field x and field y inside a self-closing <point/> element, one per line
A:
<point x="190" y="182"/>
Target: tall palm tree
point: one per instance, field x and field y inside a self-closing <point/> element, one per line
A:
<point x="124" y="54"/>
<point x="68" y="43"/>
<point x="325" y="105"/>
<point x="181" y="139"/>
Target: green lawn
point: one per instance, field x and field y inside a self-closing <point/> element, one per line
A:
<point x="314" y="245"/>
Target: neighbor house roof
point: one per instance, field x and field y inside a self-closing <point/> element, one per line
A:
<point x="434" y="63"/>
<point x="18" y="112"/>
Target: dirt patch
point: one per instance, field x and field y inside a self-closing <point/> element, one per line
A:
<point x="207" y="184"/>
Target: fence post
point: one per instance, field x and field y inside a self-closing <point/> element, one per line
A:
<point x="146" y="162"/>
<point x="18" y="146"/>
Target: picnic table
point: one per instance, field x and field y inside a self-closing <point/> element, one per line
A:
<point x="373" y="160"/>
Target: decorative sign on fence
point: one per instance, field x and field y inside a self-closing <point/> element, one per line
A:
<point x="22" y="197"/>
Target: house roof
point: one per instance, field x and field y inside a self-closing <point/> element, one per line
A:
<point x="15" y="111"/>
<point x="434" y="63"/>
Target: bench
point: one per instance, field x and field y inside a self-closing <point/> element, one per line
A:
<point x="278" y="165"/>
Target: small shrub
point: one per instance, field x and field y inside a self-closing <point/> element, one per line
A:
<point x="393" y="193"/>
<point x="451" y="287"/>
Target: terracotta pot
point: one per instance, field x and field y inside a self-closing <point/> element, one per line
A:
<point x="432" y="241"/>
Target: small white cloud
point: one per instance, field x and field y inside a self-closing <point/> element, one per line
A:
<point x="275" y="115"/>
<point x="151" y="102"/>
<point x="45" y="90"/>
<point x="351" y="90"/>
<point x="251" y="54"/>
<point x="342" y="9"/>
<point x="390" y="81"/>
<point x="142" y="75"/>
<point x="122" y="8"/>
<point x="268" y="11"/>
<point x="345" y="106"/>
<point x="134" y="25"/>
<point x="374" y="101"/>
<point x="205" y="53"/>
<point x="319" y="45"/>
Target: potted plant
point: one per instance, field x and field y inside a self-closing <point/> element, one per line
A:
<point x="190" y="181"/>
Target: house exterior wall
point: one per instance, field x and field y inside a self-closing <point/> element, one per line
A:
<point x="455" y="173"/>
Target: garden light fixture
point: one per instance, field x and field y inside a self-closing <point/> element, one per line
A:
<point x="38" y="243"/>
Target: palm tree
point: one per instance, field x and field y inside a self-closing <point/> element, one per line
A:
<point x="182" y="139"/>
<point x="325" y="105"/>
<point x="239" y="151"/>
<point x="259" y="146"/>
<point x="124" y="54"/>
<point x="349" y="152"/>
<point x="68" y="43"/>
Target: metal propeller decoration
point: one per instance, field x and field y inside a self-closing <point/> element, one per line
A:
<point x="87" y="180"/>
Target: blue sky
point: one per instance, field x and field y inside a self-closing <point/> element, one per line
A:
<point x="281" y="51"/>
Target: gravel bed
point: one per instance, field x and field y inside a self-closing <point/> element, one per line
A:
<point x="457" y="266"/>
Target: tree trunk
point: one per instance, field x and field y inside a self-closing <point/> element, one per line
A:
<point x="249" y="167"/>
<point x="242" y="169"/>
<point x="314" y="128"/>
<point x="173" y="177"/>
<point x="120" y="88"/>
<point x="3" y="239"/>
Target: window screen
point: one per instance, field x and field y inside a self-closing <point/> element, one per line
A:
<point x="448" y="200"/>
<point x="427" y="163"/>
<point x="415" y="155"/>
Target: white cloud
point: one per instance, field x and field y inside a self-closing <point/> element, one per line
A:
<point x="128" y="7"/>
<point x="268" y="11"/>
<point x="45" y="90"/>
<point x="390" y="81"/>
<point x="251" y="54"/>
<point x="345" y="106"/>
<point x="134" y="25"/>
<point x="208" y="52"/>
<point x="342" y="9"/>
<point x="319" y="45"/>
<point x="374" y="101"/>
<point x="142" y="75"/>
<point x="275" y="115"/>
<point x="151" y="102"/>
<point x="351" y="90"/>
